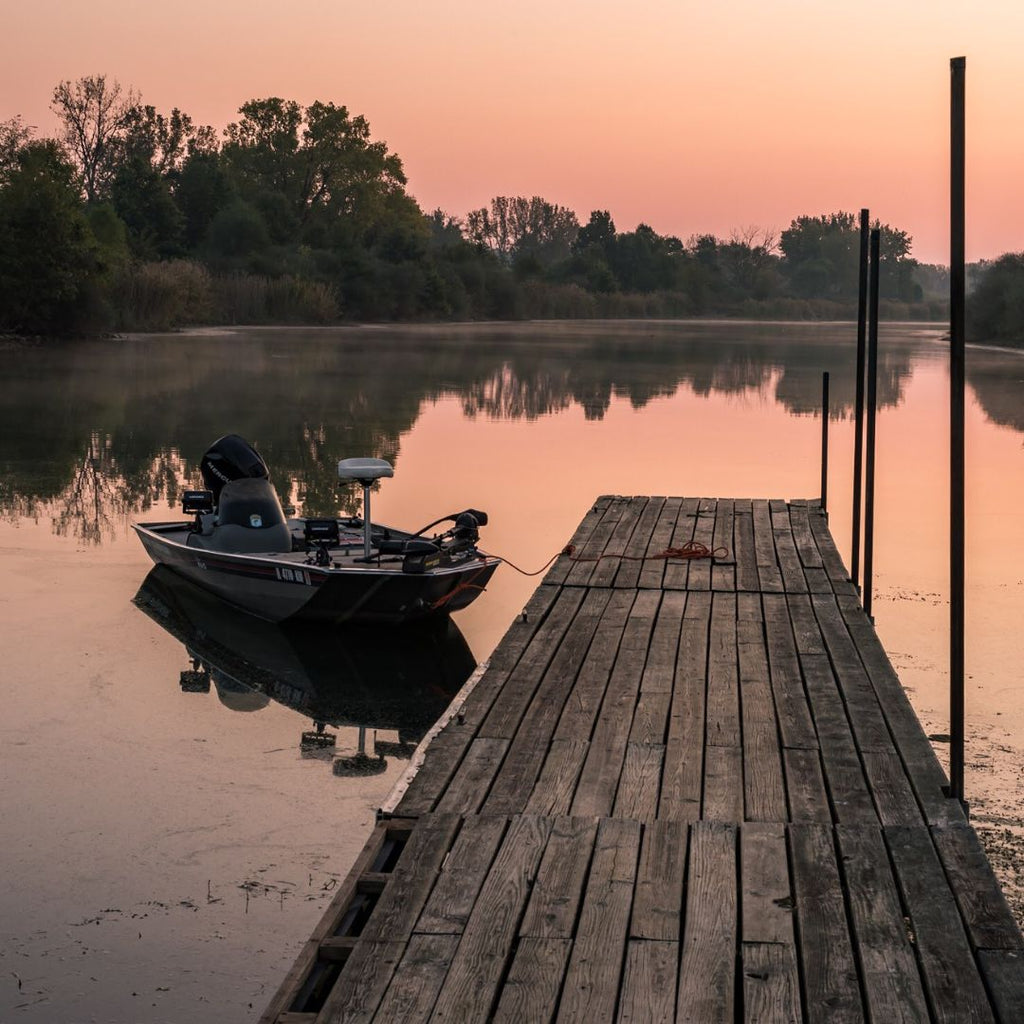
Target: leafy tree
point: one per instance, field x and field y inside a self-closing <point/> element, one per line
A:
<point x="236" y="236"/>
<point x="163" y="142"/>
<point x="13" y="136"/>
<point x="142" y="199"/>
<point x="644" y="261"/>
<point x="201" y="190"/>
<point x="822" y="255"/>
<point x="822" y="258"/>
<point x="598" y="233"/>
<point x="94" y="117"/>
<point x="995" y="308"/>
<point x="446" y="232"/>
<point x="518" y="228"/>
<point x="319" y="159"/>
<point x="49" y="258"/>
<point x="748" y="263"/>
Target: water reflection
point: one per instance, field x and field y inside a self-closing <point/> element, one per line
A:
<point x="997" y="379"/>
<point x="363" y="678"/>
<point x="95" y="432"/>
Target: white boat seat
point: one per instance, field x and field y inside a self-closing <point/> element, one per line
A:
<point x="364" y="470"/>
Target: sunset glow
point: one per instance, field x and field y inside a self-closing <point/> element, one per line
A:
<point x="691" y="118"/>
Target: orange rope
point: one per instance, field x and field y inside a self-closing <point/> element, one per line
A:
<point x="692" y="549"/>
<point x="458" y="588"/>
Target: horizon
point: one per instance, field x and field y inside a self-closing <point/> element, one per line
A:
<point x="797" y="116"/>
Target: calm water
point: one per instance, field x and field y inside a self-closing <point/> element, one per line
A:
<point x="167" y="844"/>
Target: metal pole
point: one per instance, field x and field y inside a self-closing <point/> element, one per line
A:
<point x="858" y="432"/>
<point x="869" y="473"/>
<point x="957" y="68"/>
<point x="366" y="519"/>
<point x="824" y="443"/>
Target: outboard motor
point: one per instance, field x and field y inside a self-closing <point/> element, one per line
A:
<point x="231" y="458"/>
<point x="248" y="517"/>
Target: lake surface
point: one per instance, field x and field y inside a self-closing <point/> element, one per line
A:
<point x="167" y="843"/>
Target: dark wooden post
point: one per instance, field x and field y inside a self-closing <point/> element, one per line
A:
<point x="869" y="472"/>
<point x="956" y="426"/>
<point x="824" y="443"/>
<point x="858" y="430"/>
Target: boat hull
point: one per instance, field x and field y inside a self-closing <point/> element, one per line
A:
<point x="282" y="587"/>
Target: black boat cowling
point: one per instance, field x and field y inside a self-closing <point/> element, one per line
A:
<point x="231" y="458"/>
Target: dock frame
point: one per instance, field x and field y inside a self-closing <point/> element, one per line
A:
<point x="683" y="790"/>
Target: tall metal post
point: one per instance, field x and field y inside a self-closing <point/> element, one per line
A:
<point x="956" y="426"/>
<point x="858" y="431"/>
<point x="869" y="470"/>
<point x="824" y="443"/>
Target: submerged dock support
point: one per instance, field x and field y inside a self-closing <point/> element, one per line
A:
<point x="824" y="442"/>
<point x="956" y="426"/>
<point x="869" y="472"/>
<point x="858" y="414"/>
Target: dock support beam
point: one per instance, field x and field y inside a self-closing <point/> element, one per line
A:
<point x="858" y="430"/>
<point x="824" y="443"/>
<point x="956" y="423"/>
<point x="869" y="471"/>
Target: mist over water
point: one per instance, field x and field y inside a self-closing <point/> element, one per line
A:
<point x="168" y="844"/>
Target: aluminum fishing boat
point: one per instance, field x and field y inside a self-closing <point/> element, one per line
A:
<point x="240" y="546"/>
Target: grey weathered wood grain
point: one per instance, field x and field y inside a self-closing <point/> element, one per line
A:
<point x="413" y="990"/>
<point x="707" y="971"/>
<point x="831" y="990"/>
<point x="889" y="972"/>
<point x="640" y="544"/>
<point x="652" y="571"/>
<point x="558" y="889"/>
<point x="593" y="978"/>
<point x="534" y="982"/>
<point x="470" y="988"/>
<point x="649" y="983"/>
<point x="942" y="946"/>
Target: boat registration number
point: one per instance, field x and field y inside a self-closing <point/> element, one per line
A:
<point x="289" y="575"/>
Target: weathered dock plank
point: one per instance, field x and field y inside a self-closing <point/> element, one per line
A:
<point x="683" y="790"/>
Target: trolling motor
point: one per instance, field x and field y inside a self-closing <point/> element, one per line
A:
<point x="364" y="472"/>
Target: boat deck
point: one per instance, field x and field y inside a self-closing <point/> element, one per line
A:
<point x="681" y="791"/>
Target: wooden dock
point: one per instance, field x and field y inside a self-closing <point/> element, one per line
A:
<point x="681" y="791"/>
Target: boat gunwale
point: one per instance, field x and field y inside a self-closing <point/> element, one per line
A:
<point x="275" y="558"/>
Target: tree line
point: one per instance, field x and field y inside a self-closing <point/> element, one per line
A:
<point x="130" y="218"/>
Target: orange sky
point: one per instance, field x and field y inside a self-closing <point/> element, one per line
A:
<point x="692" y="117"/>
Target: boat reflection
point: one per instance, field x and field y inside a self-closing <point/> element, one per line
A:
<point x="369" y="678"/>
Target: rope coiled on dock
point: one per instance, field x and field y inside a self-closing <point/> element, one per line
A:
<point x="692" y="549"/>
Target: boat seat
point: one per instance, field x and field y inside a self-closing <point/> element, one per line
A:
<point x="364" y="470"/>
<point x="244" y="540"/>
<point x="249" y="520"/>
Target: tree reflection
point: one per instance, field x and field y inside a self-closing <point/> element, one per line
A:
<point x="998" y="384"/>
<point x="93" y="432"/>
